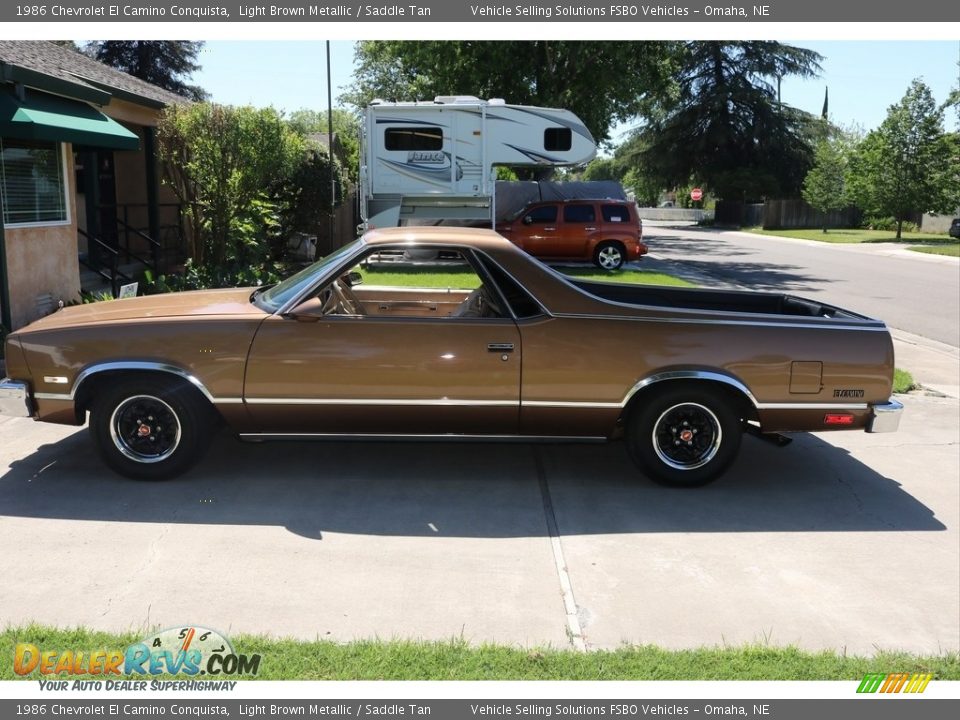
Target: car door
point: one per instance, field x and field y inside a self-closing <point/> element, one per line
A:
<point x="537" y="231"/>
<point x="395" y="370"/>
<point x="579" y="228"/>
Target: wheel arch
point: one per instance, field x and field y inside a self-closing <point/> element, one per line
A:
<point x="94" y="375"/>
<point x="731" y="386"/>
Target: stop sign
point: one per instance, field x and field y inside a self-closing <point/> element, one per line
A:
<point x="696" y="194"/>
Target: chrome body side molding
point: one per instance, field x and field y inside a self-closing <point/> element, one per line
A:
<point x="450" y="437"/>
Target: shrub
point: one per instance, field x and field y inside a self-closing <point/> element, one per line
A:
<point x="886" y="223"/>
<point x="226" y="165"/>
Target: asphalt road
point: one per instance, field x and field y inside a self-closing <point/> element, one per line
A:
<point x="845" y="541"/>
<point x="910" y="291"/>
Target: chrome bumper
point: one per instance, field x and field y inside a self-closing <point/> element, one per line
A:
<point x="15" y="398"/>
<point x="885" y="417"/>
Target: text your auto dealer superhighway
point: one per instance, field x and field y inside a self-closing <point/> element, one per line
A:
<point x="137" y="11"/>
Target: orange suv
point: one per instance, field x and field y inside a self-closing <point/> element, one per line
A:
<point x="608" y="232"/>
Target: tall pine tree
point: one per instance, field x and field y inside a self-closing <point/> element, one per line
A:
<point x="726" y="128"/>
<point x="165" y="63"/>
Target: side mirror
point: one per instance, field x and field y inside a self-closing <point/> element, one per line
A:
<point x="527" y="220"/>
<point x="352" y="279"/>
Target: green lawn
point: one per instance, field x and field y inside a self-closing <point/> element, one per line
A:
<point x="463" y="277"/>
<point x="458" y="660"/>
<point x="944" y="249"/>
<point x="853" y="235"/>
<point x="636" y="277"/>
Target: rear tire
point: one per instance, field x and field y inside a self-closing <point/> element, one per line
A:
<point x="150" y="428"/>
<point x="685" y="437"/>
<point x="609" y="255"/>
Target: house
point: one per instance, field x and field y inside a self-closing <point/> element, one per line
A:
<point x="80" y="190"/>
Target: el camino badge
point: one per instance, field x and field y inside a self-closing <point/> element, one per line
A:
<point x="848" y="393"/>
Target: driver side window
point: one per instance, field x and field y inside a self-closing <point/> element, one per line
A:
<point x="411" y="283"/>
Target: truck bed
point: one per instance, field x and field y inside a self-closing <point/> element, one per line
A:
<point x="733" y="301"/>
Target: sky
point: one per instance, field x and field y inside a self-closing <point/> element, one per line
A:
<point x="864" y="77"/>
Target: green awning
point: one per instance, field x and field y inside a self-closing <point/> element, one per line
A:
<point x="48" y="117"/>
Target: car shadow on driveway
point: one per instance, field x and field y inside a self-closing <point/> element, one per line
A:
<point x="466" y="490"/>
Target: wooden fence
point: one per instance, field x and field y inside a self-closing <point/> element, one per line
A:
<point x="786" y="214"/>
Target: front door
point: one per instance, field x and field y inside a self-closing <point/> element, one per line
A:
<point x="537" y="231"/>
<point x="395" y="359"/>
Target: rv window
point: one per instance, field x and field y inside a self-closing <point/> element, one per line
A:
<point x="413" y="138"/>
<point x="579" y="214"/>
<point x="557" y="138"/>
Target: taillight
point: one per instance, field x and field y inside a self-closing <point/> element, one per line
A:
<point x="838" y="419"/>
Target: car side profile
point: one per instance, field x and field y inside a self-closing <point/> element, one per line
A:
<point x="509" y="350"/>
<point x="606" y="232"/>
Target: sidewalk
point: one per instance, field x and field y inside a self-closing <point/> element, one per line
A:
<point x="935" y="365"/>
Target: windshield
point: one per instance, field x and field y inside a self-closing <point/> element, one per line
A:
<point x="280" y="294"/>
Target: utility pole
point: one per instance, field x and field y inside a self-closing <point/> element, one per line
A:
<point x="330" y="160"/>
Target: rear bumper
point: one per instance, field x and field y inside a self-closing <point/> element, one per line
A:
<point x="885" y="417"/>
<point x="15" y="398"/>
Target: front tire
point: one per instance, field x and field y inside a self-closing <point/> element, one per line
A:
<point x="685" y="437"/>
<point x="149" y="428"/>
<point x="609" y="255"/>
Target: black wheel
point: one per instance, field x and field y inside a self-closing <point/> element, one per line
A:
<point x="150" y="428"/>
<point x="609" y="255"/>
<point x="686" y="436"/>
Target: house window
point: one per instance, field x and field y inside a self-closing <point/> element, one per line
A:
<point x="32" y="185"/>
<point x="413" y="138"/>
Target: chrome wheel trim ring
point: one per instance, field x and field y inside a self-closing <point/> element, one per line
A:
<point x="706" y="455"/>
<point x="121" y="444"/>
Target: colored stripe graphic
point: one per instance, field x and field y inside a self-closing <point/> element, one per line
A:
<point x="871" y="683"/>
<point x="895" y="682"/>
<point x="918" y="683"/>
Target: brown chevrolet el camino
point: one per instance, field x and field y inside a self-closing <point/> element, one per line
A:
<point x="513" y="351"/>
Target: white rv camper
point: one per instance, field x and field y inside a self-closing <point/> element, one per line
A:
<point x="435" y="160"/>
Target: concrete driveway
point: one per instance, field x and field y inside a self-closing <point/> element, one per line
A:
<point x="838" y="541"/>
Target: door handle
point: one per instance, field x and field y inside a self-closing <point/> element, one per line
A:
<point x="549" y="228"/>
<point x="500" y="347"/>
<point x="590" y="228"/>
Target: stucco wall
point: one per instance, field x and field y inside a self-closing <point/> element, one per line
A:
<point x="43" y="260"/>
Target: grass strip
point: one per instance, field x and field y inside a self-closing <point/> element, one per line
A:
<point x="855" y="235"/>
<point x="459" y="660"/>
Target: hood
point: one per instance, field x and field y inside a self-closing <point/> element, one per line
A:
<point x="233" y="301"/>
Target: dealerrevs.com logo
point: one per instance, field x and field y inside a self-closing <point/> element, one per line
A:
<point x="192" y="651"/>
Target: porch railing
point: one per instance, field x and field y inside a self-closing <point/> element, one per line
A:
<point x="133" y="250"/>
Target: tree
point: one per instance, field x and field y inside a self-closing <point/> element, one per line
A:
<point x="726" y="128"/>
<point x="601" y="82"/>
<point x="908" y="164"/>
<point x="305" y="198"/>
<point x="226" y="164"/>
<point x="824" y="188"/>
<point x="164" y="63"/>
<point x="346" y="126"/>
